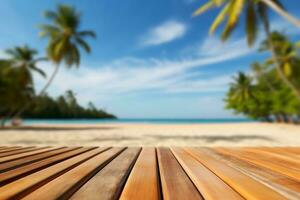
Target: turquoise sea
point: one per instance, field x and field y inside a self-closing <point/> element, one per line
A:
<point x="134" y="121"/>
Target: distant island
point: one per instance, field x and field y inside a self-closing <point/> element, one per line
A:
<point x="63" y="107"/>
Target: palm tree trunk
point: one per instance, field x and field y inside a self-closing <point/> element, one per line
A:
<point x="44" y="89"/>
<point x="50" y="80"/>
<point x="282" y="12"/>
<point x="295" y="91"/>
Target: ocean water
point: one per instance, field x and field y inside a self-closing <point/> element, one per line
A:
<point x="134" y="121"/>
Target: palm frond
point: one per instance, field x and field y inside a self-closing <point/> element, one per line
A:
<point x="262" y="10"/>
<point x="251" y="24"/>
<point x="49" y="31"/>
<point x="227" y="31"/>
<point x="86" y="33"/>
<point x="287" y="69"/>
<point x="36" y="69"/>
<point x="51" y="15"/>
<point x="210" y="4"/>
<point x="83" y="44"/>
<point x="219" y="19"/>
<point x="235" y="11"/>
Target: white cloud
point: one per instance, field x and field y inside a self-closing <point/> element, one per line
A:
<point x="213" y="46"/>
<point x="135" y="75"/>
<point x="164" y="33"/>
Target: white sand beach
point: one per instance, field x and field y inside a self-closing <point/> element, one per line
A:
<point x="235" y="134"/>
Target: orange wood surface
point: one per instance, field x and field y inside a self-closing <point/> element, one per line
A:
<point x="240" y="182"/>
<point x="143" y="180"/>
<point x="109" y="182"/>
<point x="149" y="173"/>
<point x="175" y="183"/>
<point x="210" y="185"/>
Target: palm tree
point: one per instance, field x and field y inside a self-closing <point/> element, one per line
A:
<point x="18" y="68"/>
<point x="286" y="52"/>
<point x="24" y="57"/>
<point x="242" y="88"/>
<point x="255" y="10"/>
<point x="65" y="38"/>
<point x="284" y="57"/>
<point x="260" y="71"/>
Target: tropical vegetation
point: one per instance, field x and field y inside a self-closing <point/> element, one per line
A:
<point x="63" y="107"/>
<point x="65" y="42"/>
<point x="261" y="94"/>
<point x="273" y="92"/>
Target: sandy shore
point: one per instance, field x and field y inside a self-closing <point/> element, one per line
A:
<point x="241" y="134"/>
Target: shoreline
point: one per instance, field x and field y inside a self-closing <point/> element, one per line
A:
<point x="149" y="134"/>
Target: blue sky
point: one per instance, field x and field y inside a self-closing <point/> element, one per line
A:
<point x="151" y="59"/>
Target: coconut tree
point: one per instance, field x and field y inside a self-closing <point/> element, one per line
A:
<point x="284" y="57"/>
<point x="286" y="52"/>
<point x="17" y="75"/>
<point x="256" y="11"/>
<point x="242" y="87"/>
<point x="65" y="38"/>
<point x="231" y="11"/>
<point x="249" y="98"/>
<point x="25" y="57"/>
<point x="260" y="71"/>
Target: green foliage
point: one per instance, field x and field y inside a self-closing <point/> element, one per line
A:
<point x="65" y="38"/>
<point x="63" y="107"/>
<point x="263" y="96"/>
<point x="231" y="12"/>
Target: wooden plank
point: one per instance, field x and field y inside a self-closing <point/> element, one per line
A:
<point x="10" y="149"/>
<point x="14" y="174"/>
<point x="17" y="151"/>
<point x="240" y="182"/>
<point x="281" y="151"/>
<point x="108" y="183"/>
<point x="22" y="155"/>
<point x="22" y="161"/>
<point x="284" y="185"/>
<point x="295" y="150"/>
<point x="26" y="185"/>
<point x="210" y="186"/>
<point x="143" y="181"/>
<point x="269" y="162"/>
<point x="281" y="157"/>
<point x="175" y="183"/>
<point x="75" y="178"/>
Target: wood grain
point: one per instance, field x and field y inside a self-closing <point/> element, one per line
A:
<point x="75" y="178"/>
<point x="108" y="183"/>
<point x="285" y="185"/>
<point x="240" y="182"/>
<point x="17" y="151"/>
<point x="149" y="173"/>
<point x="22" y="171"/>
<point x="26" y="160"/>
<point x="24" y="154"/>
<point x="175" y="183"/>
<point x="267" y="161"/>
<point x="141" y="185"/>
<point x="7" y="149"/>
<point x="210" y="186"/>
<point x="23" y="186"/>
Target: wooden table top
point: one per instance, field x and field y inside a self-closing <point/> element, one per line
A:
<point x="149" y="173"/>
